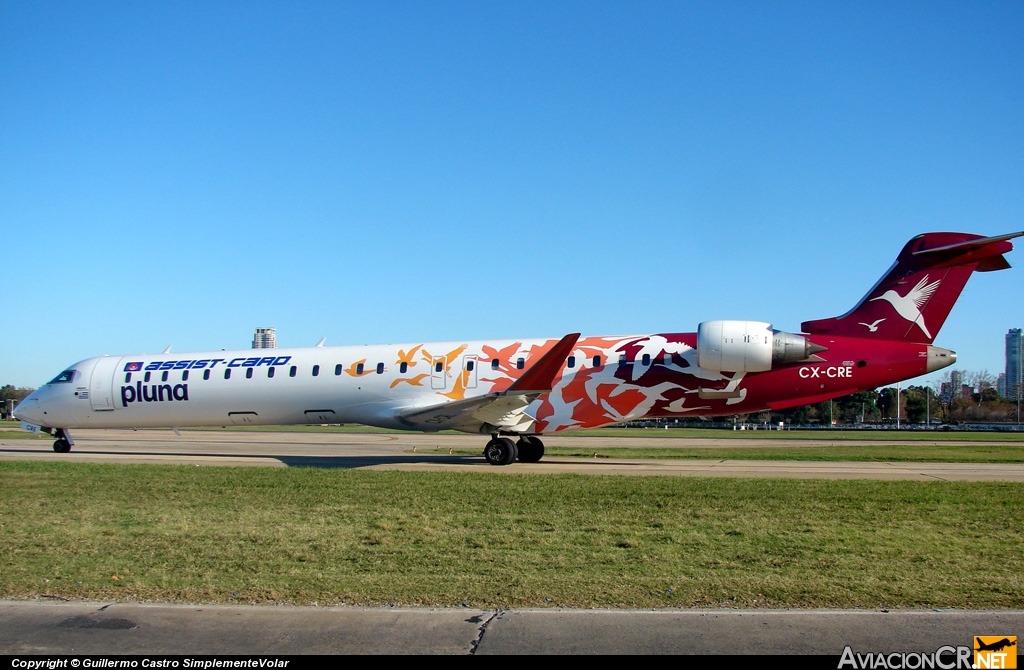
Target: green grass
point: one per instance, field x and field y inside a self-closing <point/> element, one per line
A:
<point x="261" y="535"/>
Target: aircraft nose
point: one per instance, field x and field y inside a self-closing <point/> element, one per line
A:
<point x="28" y="410"/>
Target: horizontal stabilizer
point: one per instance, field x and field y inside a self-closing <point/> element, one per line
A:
<point x="970" y="245"/>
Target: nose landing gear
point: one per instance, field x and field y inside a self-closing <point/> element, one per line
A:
<point x="64" y="442"/>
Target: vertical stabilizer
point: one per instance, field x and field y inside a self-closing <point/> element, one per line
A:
<point x="913" y="299"/>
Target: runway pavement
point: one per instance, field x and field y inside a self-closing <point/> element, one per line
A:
<point x="417" y="451"/>
<point x="116" y="628"/>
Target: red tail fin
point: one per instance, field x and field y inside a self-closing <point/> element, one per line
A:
<point x="913" y="299"/>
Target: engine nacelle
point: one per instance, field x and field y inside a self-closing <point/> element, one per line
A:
<point x="748" y="346"/>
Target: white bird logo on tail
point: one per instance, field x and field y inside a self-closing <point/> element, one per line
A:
<point x="909" y="306"/>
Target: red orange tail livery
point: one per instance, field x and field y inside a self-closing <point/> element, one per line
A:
<point x="525" y="388"/>
<point x="912" y="301"/>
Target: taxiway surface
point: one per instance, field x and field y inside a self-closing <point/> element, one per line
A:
<point x="417" y="451"/>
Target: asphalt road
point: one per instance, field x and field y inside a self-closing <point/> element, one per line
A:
<point x="417" y="451"/>
<point x="110" y="628"/>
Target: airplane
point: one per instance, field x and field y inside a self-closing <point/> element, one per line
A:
<point x="527" y="388"/>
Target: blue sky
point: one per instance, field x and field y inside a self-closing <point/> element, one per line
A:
<point x="183" y="172"/>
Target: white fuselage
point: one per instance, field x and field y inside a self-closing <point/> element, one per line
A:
<point x="354" y="384"/>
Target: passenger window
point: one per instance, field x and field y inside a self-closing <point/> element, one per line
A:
<point x="292" y="371"/>
<point x="184" y="375"/>
<point x="520" y="363"/>
<point x="646" y="360"/>
<point x="494" y="364"/>
<point x="163" y="377"/>
<point x="469" y="366"/>
<point x="622" y="360"/>
<point x="571" y="361"/>
<point x="439" y="366"/>
<point x="337" y="369"/>
<point x="227" y="373"/>
<point x="380" y="368"/>
<point x="146" y="378"/>
<point x="248" y="373"/>
<point x="270" y="372"/>
<point x="359" y="369"/>
<point x="316" y="370"/>
<point x="403" y="368"/>
<point x="667" y="359"/>
<point x="206" y="374"/>
<point x="597" y="361"/>
<point x="128" y="378"/>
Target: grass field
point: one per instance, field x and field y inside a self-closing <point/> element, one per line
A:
<point x="301" y="536"/>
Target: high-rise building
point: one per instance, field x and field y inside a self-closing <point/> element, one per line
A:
<point x="1014" y="358"/>
<point x="265" y="338"/>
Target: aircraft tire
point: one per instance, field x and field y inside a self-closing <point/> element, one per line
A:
<point x="62" y="446"/>
<point x="530" y="449"/>
<point x="501" y="451"/>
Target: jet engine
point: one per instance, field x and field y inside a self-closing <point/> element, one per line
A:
<point x="749" y="346"/>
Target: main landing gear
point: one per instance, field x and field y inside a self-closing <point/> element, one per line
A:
<point x="503" y="451"/>
<point x="63" y="443"/>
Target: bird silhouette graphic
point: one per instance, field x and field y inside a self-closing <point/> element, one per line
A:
<point x="909" y="306"/>
<point x="872" y="327"/>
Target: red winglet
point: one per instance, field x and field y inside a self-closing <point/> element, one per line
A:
<point x="541" y="375"/>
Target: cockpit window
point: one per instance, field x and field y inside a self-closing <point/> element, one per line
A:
<point x="64" y="377"/>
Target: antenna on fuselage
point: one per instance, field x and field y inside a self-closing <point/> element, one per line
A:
<point x="168" y="349"/>
<point x="321" y="342"/>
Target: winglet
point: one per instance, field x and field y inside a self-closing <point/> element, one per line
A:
<point x="540" y="378"/>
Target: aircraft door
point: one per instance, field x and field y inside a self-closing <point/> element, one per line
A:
<point x="469" y="365"/>
<point x="438" y="374"/>
<point x="101" y="384"/>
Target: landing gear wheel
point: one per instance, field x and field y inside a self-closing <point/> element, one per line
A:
<point x="531" y="449"/>
<point x="62" y="446"/>
<point x="500" y="451"/>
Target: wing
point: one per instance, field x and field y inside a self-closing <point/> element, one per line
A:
<point x="505" y="410"/>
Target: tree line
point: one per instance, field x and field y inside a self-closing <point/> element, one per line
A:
<point x="975" y="401"/>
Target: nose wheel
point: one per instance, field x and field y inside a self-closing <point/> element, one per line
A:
<point x="64" y="441"/>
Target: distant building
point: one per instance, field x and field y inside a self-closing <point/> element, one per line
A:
<point x="265" y="338"/>
<point x="1014" y="358"/>
<point x="1001" y="384"/>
